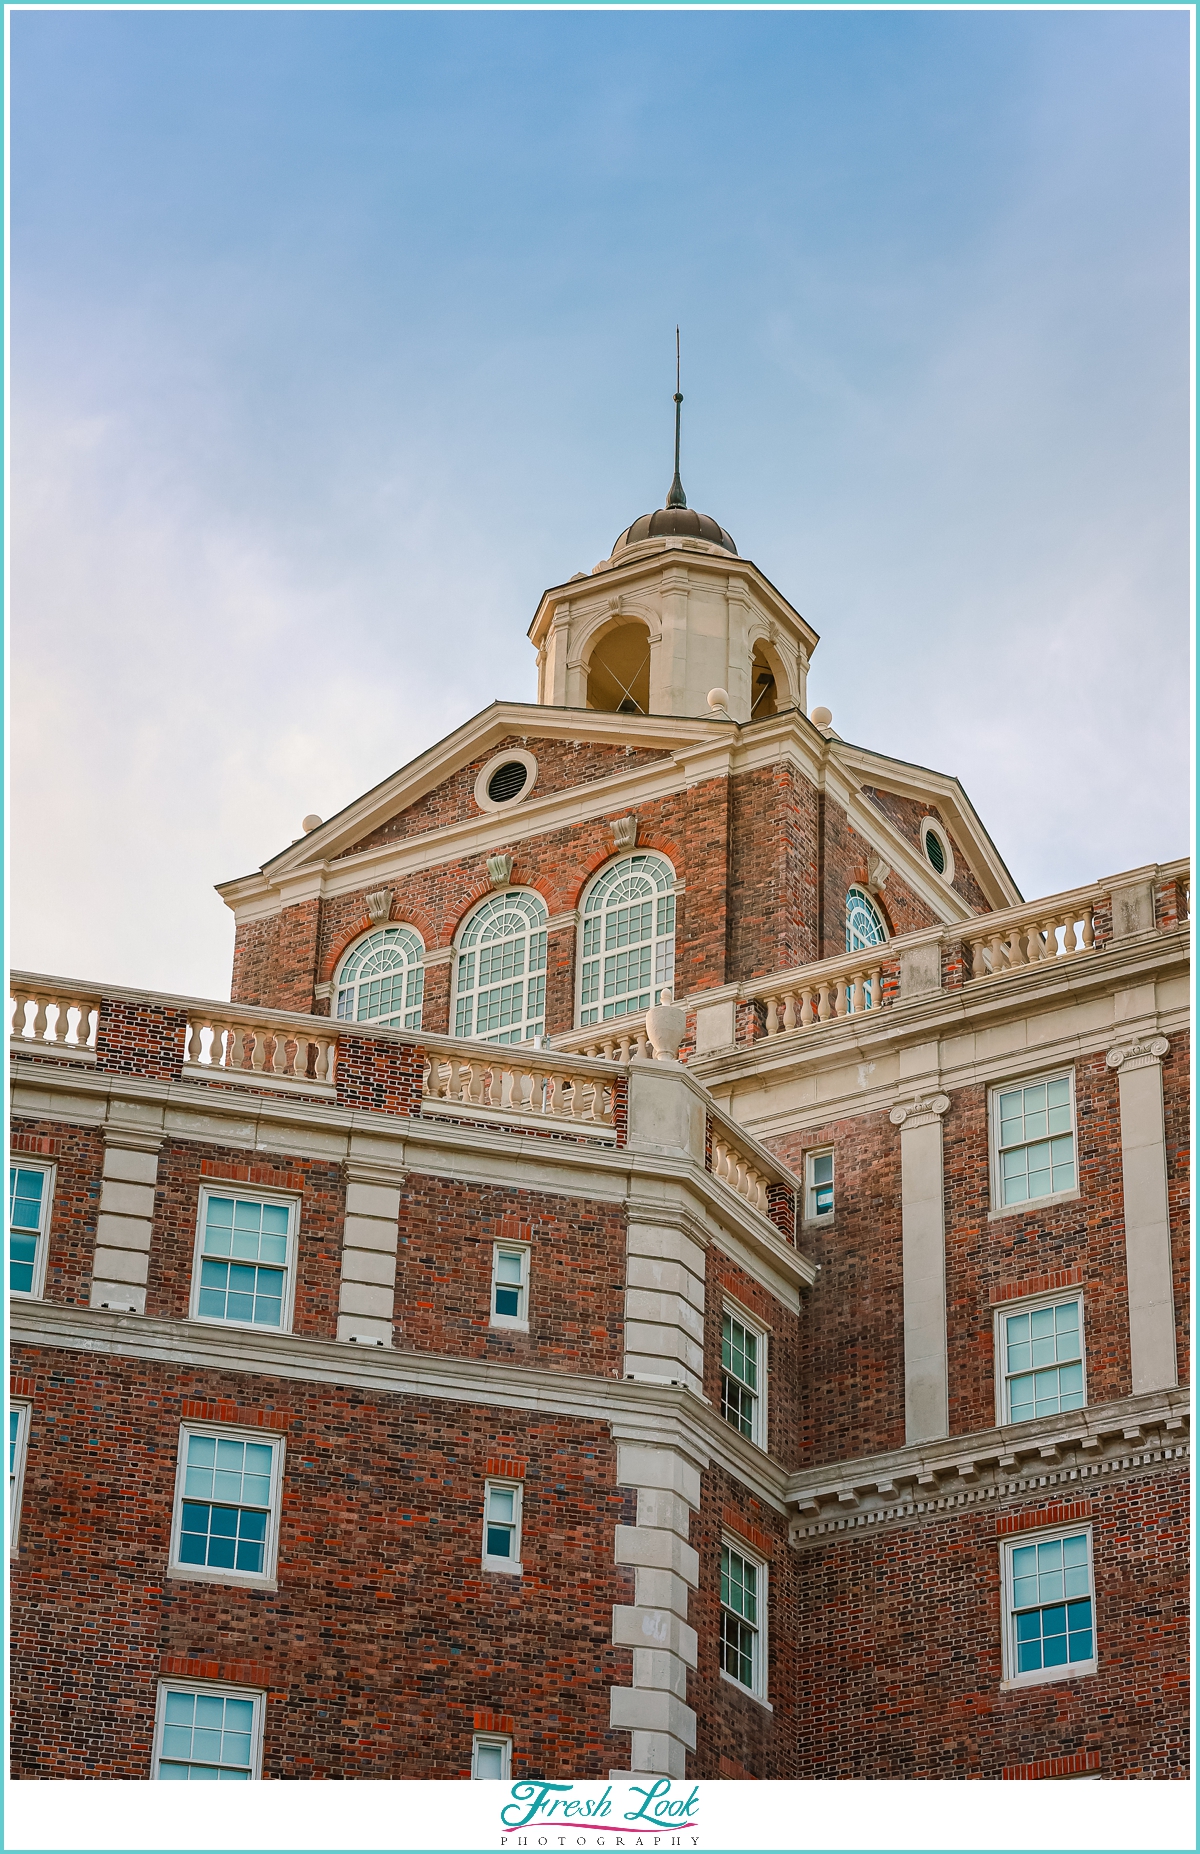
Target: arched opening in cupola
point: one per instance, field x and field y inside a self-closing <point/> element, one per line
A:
<point x="619" y="672"/>
<point x="764" y="690"/>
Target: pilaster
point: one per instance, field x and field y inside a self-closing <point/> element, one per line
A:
<point x="666" y="1568"/>
<point x="366" y="1306"/>
<point x="121" y="1261"/>
<point x="1152" y="1345"/>
<point x="926" y="1385"/>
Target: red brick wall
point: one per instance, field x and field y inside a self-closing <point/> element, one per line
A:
<point x="77" y="1154"/>
<point x="844" y="863"/>
<point x="851" y="1374"/>
<point x="983" y="1255"/>
<point x="184" y="1167"/>
<point x="772" y="871"/>
<point x="384" y="1637"/>
<point x="375" y="1076"/>
<point x="135" y="1037"/>
<point x="899" y="1642"/>
<point x="906" y="814"/>
<point x="562" y="765"/>
<point x="577" y="1274"/>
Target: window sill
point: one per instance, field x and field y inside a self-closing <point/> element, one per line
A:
<point x="505" y="1323"/>
<point x="239" y="1326"/>
<point x="745" y="1692"/>
<point x="205" y="1574"/>
<point x="504" y="1566"/>
<point x="1033" y="1205"/>
<point x="1044" y="1676"/>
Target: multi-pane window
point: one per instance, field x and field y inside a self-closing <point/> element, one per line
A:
<point x="1033" y="1130"/>
<point x="1048" y="1600"/>
<point x="244" y="1261"/>
<point x="510" y="1285"/>
<point x="491" y="1757"/>
<point x="29" y="1193"/>
<point x="627" y="951"/>
<point x="743" y="1594"/>
<point x="502" y="1526"/>
<point x="864" y="924"/>
<point x="18" y="1438"/>
<point x="500" y="970"/>
<point x="208" y="1735"/>
<point x="818" y="1185"/>
<point x="227" y="1503"/>
<point x="381" y="980"/>
<point x="1043" y="1361"/>
<point x="742" y="1361"/>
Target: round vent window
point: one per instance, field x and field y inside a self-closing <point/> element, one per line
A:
<point x="935" y="851"/>
<point x="507" y="781"/>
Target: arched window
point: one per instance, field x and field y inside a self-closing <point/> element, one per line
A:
<point x="500" y="971"/>
<point x="381" y="980"/>
<point x="619" y="672"/>
<point x="864" y="926"/>
<point x="628" y="947"/>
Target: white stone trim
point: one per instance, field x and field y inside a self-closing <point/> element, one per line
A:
<point x="923" y="1239"/>
<point x="1152" y="1337"/>
<point x="654" y="1709"/>
<point x="121" y="1258"/>
<point x="370" y="1239"/>
<point x="489" y="770"/>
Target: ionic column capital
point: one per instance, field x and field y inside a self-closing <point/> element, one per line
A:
<point x="1142" y="1053"/>
<point x="922" y="1111"/>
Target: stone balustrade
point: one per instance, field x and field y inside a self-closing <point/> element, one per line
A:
<point x="1040" y="932"/>
<point x="733" y="1165"/>
<point x="821" y="992"/>
<point x="515" y="1081"/>
<point x="56" y="1021"/>
<point x="622" y="1040"/>
<point x="233" y="1044"/>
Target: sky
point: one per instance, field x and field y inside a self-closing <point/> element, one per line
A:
<point x="336" y="337"/>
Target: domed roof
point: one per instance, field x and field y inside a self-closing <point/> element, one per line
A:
<point x="675" y="521"/>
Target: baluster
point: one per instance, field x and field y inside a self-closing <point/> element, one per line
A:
<point x="876" y="1002"/>
<point x="1068" y="927"/>
<point x="772" y="1017"/>
<point x="978" y="963"/>
<point x="427" y="1078"/>
<point x="789" y="1010"/>
<point x="807" y="1000"/>
<point x="824" y="1004"/>
<point x="996" y="948"/>
<point x="857" y="1000"/>
<point x="1088" y="936"/>
<point x="37" y="1034"/>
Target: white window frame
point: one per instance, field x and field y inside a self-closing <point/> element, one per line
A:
<point x="511" y="1567"/>
<point x="16" y="1473"/>
<point x="512" y="1322"/>
<point x="1027" y="1205"/>
<point x="1032" y="1303"/>
<point x="811" y="1214"/>
<point x="933" y="827"/>
<point x="408" y="1017"/>
<point x="733" y="1542"/>
<point x="19" y="1162"/>
<point x="531" y="1025"/>
<point x="758" y="1433"/>
<point x="248" y="1195"/>
<point x="488" y="772"/>
<point x="200" y="1687"/>
<point x="216" y="1574"/>
<point x="489" y="1739"/>
<point x="662" y="965"/>
<point x="860" y="890"/>
<point x="1041" y="1676"/>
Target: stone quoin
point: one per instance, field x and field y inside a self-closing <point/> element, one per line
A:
<point x="666" y="1264"/>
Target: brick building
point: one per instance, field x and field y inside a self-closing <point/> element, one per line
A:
<point x="443" y="1360"/>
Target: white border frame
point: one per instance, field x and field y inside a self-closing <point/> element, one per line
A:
<point x="250" y="1194"/>
<point x="458" y="952"/>
<point x="597" y="876"/>
<point x="492" y="1738"/>
<point x="492" y="767"/>
<point x="933" y="827"/>
<point x="825" y="1216"/>
<point x="754" y="1325"/>
<point x="17" y="1487"/>
<point x="1030" y="1303"/>
<point x="26" y="1162"/>
<point x="348" y="951"/>
<point x="226" y="1691"/>
<point x="861" y="888"/>
<point x="508" y="1567"/>
<point x="745" y="1550"/>
<point x="1042" y="1676"/>
<point x="995" y="1180"/>
<point x="213" y="1574"/>
<point x="510" y="1322"/>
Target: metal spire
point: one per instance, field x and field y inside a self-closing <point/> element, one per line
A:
<point x="676" y="498"/>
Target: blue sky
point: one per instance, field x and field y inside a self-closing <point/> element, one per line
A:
<point x="338" y="336"/>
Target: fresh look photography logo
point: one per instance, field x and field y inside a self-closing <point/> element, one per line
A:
<point x="654" y="1814"/>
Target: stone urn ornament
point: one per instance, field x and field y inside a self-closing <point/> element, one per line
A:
<point x="665" y="1025"/>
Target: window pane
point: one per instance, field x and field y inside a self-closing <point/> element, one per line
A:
<point x="206" y="1737"/>
<point x="489" y="1761"/>
<point x="501" y="1504"/>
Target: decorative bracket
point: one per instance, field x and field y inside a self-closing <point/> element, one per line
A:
<point x="877" y="872"/>
<point x="624" y="832"/>
<point x="499" y="870"/>
<point x="922" y="1111"/>
<point x="379" y="905"/>
<point x="1143" y="1053"/>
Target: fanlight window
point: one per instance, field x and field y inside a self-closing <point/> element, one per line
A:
<point x="382" y="979"/>
<point x="500" y="975"/>
<point x="628" y="938"/>
<point x="863" y="924"/>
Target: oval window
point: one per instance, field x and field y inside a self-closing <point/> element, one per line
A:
<point x="935" y="851"/>
<point x="507" y="781"/>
